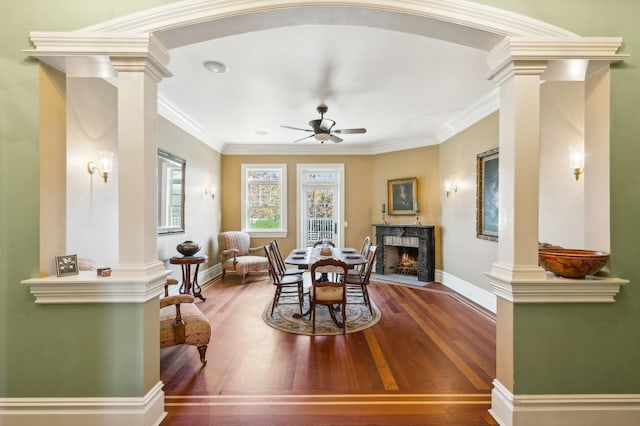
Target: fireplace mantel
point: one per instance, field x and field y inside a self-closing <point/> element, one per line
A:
<point x="426" y="247"/>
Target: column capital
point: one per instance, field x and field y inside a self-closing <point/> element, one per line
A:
<point x="530" y="56"/>
<point x="149" y="66"/>
<point x="101" y="54"/>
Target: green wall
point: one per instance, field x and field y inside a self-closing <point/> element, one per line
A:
<point x="63" y="350"/>
<point x="96" y="351"/>
<point x="588" y="348"/>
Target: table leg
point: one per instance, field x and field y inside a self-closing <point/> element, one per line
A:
<point x="184" y="287"/>
<point x="197" y="291"/>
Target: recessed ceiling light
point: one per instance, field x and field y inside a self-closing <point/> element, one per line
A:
<point x="216" y="67"/>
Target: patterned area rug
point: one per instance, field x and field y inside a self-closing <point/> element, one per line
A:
<point x="358" y="318"/>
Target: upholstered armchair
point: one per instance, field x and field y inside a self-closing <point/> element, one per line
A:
<point x="236" y="254"/>
<point x="182" y="323"/>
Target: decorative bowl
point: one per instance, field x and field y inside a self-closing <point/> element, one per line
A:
<point x="188" y="248"/>
<point x="572" y="263"/>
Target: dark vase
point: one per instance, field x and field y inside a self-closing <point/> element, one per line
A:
<point x="188" y="248"/>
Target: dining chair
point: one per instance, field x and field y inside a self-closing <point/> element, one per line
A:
<point x="280" y="260"/>
<point x="364" y="248"/>
<point x="328" y="293"/>
<point x="286" y="286"/>
<point x="357" y="281"/>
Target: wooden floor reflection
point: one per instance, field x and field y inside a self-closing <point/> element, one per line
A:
<point x="430" y="360"/>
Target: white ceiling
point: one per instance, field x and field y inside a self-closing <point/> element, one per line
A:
<point x="404" y="88"/>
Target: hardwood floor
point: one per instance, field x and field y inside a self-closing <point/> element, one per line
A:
<point x="429" y="360"/>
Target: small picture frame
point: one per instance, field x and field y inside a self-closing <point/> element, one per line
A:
<point x="67" y="265"/>
<point x="403" y="196"/>
<point x="487" y="195"/>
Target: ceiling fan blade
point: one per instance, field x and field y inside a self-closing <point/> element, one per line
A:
<point x="301" y="139"/>
<point x="297" y="128"/>
<point x="335" y="139"/>
<point x="349" y="131"/>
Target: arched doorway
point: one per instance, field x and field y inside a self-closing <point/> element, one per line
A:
<point x="142" y="58"/>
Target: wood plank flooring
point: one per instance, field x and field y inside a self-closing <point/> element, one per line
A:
<point x="429" y="360"/>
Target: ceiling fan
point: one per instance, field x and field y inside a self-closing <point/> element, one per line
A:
<point x="322" y="128"/>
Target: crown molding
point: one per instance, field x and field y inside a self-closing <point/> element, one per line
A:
<point x="476" y="112"/>
<point x="178" y="117"/>
<point x="295" y="149"/>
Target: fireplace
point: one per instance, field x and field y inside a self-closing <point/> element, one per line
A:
<point x="407" y="250"/>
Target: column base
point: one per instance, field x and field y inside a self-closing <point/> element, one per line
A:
<point x="563" y="410"/>
<point x="144" y="411"/>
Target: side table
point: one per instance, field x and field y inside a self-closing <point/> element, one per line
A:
<point x="189" y="285"/>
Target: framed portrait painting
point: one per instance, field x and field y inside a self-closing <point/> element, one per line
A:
<point x="67" y="265"/>
<point x="487" y="195"/>
<point x="403" y="196"/>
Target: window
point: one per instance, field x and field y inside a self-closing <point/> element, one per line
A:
<point x="264" y="199"/>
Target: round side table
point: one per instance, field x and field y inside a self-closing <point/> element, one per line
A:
<point x="189" y="285"/>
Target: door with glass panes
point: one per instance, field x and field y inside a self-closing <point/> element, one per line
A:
<point x="320" y="204"/>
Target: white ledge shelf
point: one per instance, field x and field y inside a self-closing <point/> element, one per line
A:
<point x="87" y="287"/>
<point x="592" y="289"/>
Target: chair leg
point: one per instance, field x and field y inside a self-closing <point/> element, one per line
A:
<point x="344" y="318"/>
<point x="203" y="351"/>
<point x="300" y="296"/>
<point x="276" y="299"/>
<point x="367" y="300"/>
<point x="313" y="320"/>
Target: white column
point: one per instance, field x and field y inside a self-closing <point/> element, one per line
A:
<point x="138" y="78"/>
<point x="519" y="145"/>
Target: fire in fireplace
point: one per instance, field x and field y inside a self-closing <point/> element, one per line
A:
<point x="401" y="260"/>
<point x="408" y="263"/>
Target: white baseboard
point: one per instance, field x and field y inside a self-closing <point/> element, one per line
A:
<point x="210" y="273"/>
<point x="144" y="411"/>
<point x="204" y="276"/>
<point x="563" y="410"/>
<point x="482" y="297"/>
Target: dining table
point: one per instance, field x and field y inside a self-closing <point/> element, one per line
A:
<point x="305" y="257"/>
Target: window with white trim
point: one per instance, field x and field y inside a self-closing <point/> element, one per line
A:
<point x="264" y="199"/>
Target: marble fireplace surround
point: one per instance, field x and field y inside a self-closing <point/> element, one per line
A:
<point x="420" y="236"/>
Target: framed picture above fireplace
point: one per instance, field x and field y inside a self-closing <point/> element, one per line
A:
<point x="487" y="195"/>
<point x="403" y="196"/>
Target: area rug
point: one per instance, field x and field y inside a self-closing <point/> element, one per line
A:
<point x="283" y="319"/>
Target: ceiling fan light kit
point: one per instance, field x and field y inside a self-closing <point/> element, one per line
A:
<point x="322" y="128"/>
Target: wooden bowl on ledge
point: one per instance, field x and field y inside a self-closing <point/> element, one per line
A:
<point x="572" y="263"/>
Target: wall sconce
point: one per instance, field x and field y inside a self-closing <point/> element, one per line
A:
<point x="448" y="187"/>
<point x="576" y="160"/>
<point x="210" y="191"/>
<point x="104" y="166"/>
